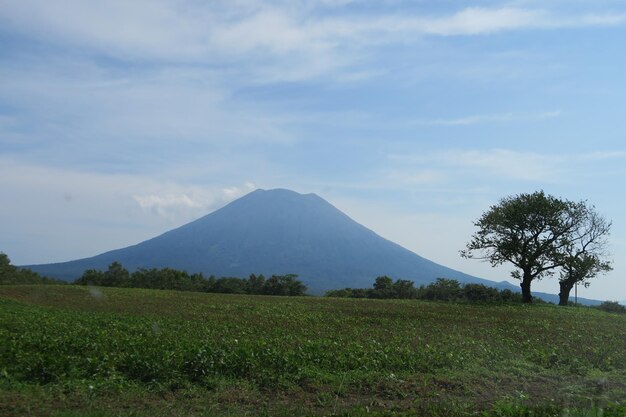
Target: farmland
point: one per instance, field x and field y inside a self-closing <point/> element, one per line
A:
<point x="70" y="351"/>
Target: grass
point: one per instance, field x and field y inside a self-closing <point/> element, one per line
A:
<point x="77" y="351"/>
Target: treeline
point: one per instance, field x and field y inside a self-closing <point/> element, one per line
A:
<point x="12" y="275"/>
<point x="441" y="290"/>
<point x="171" y="279"/>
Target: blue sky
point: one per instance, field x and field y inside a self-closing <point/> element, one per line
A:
<point x="121" y="120"/>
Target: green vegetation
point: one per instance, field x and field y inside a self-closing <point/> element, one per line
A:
<point x="540" y="234"/>
<point x="440" y="290"/>
<point x="86" y="351"/>
<point x="171" y="279"/>
<point x="11" y="275"/>
<point x="612" y="307"/>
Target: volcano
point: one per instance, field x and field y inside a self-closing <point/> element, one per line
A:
<point x="274" y="232"/>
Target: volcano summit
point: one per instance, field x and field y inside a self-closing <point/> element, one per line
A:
<point x="274" y="232"/>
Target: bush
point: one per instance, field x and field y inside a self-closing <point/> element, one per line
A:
<point x="612" y="307"/>
<point x="341" y="293"/>
<point x="172" y="279"/>
<point x="12" y="275"/>
<point x="442" y="290"/>
<point x="283" y="285"/>
<point x="480" y="293"/>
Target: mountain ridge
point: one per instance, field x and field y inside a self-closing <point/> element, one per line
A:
<point x="275" y="231"/>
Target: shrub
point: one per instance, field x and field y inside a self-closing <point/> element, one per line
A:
<point x="612" y="307"/>
<point x="480" y="293"/>
<point x="442" y="290"/>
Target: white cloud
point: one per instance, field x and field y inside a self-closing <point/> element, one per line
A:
<point x="412" y="177"/>
<point x="51" y="214"/>
<point x="490" y="118"/>
<point x="233" y="193"/>
<point x="498" y="163"/>
<point x="174" y="207"/>
<point x="494" y="165"/>
<point x="525" y="166"/>
<point x="469" y="120"/>
<point x="603" y="156"/>
<point x="79" y="112"/>
<point x="300" y="40"/>
<point x="167" y="205"/>
<point x="473" y="21"/>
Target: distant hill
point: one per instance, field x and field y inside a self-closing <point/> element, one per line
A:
<point x="275" y="232"/>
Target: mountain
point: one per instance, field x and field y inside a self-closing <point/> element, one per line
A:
<point x="274" y="232"/>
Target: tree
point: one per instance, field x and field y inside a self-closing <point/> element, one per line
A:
<point x="479" y="293"/>
<point x="116" y="276"/>
<point x="586" y="255"/>
<point x="7" y="271"/>
<point x="284" y="285"/>
<point x="12" y="275"/>
<point x="530" y="231"/>
<point x="91" y="277"/>
<point x="442" y="289"/>
<point x="254" y="284"/>
<point x="612" y="307"/>
<point x="383" y="287"/>
<point x="404" y="289"/>
<point x="230" y="285"/>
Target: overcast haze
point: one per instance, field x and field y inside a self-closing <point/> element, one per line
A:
<point x="120" y="120"/>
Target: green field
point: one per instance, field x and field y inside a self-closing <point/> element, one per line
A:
<point x="78" y="351"/>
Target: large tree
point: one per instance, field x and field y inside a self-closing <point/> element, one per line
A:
<point x="586" y="255"/>
<point x="530" y="231"/>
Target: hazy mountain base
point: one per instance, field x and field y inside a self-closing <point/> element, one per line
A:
<point x="278" y="232"/>
<point x="78" y="351"/>
<point x="274" y="232"/>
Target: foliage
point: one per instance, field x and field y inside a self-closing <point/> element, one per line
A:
<point x="441" y="290"/>
<point x="383" y="288"/>
<point x="10" y="274"/>
<point x="481" y="293"/>
<point x="171" y="279"/>
<point x="612" y="307"/>
<point x="537" y="233"/>
<point x="283" y="285"/>
<point x="193" y="351"/>
<point x="586" y="254"/>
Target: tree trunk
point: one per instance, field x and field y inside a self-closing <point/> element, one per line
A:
<point x="525" y="284"/>
<point x="565" y="287"/>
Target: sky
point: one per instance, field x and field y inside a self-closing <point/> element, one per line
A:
<point x="121" y="120"/>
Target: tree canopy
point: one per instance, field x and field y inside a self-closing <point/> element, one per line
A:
<point x="539" y="234"/>
<point x="10" y="274"/>
<point x="586" y="256"/>
<point x="171" y="279"/>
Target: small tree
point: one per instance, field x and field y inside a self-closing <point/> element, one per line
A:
<point x="284" y="285"/>
<point x="7" y="271"/>
<point x="91" y="277"/>
<point x="404" y="288"/>
<point x="612" y="307"/>
<point x="116" y="276"/>
<point x="230" y="285"/>
<point x="254" y="284"/>
<point x="442" y="289"/>
<point x="530" y="231"/>
<point x="585" y="256"/>
<point x="11" y="275"/>
<point x="480" y="293"/>
<point x="383" y="288"/>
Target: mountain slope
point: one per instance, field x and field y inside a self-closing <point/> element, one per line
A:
<point x="274" y="232"/>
